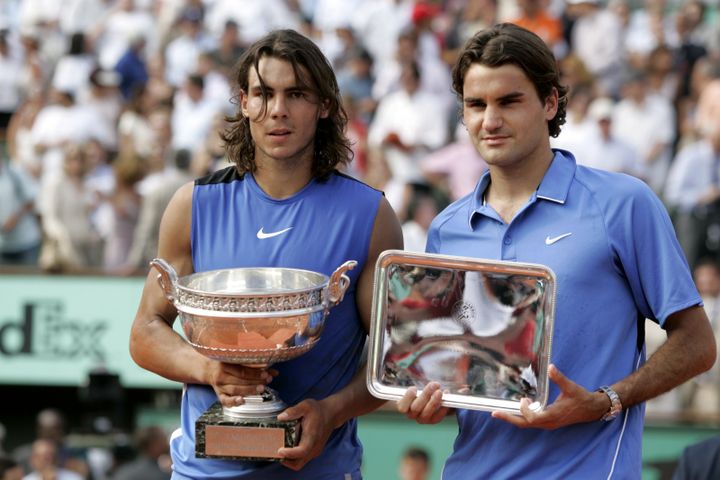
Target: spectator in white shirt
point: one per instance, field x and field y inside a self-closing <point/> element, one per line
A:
<point x="408" y="124"/>
<point x="646" y="121"/>
<point x="181" y="55"/>
<point x="604" y="150"/>
<point x="193" y="115"/>
<point x="124" y="23"/>
<point x="72" y="72"/>
<point x="595" y="38"/>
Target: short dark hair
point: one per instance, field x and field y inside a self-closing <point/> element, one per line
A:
<point x="506" y="44"/>
<point x="417" y="453"/>
<point x="332" y="147"/>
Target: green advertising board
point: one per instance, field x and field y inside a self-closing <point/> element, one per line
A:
<point x="54" y="330"/>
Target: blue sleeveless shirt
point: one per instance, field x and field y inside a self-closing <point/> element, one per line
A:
<point x="236" y="224"/>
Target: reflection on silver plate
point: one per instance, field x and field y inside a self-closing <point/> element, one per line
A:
<point x="481" y="328"/>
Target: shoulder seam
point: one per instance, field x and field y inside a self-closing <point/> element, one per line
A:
<point x="225" y="175"/>
<point x="350" y="177"/>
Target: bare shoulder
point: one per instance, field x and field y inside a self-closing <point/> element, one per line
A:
<point x="387" y="233"/>
<point x="174" y="241"/>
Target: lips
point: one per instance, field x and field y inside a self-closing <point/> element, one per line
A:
<point x="279" y="132"/>
<point x="495" y="139"/>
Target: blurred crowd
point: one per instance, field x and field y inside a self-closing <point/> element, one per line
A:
<point x="57" y="454"/>
<point x="108" y="106"/>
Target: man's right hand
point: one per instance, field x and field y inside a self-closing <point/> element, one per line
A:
<point x="425" y="408"/>
<point x="233" y="382"/>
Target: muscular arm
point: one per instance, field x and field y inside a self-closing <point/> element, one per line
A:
<point x="688" y="351"/>
<point x="155" y="346"/>
<point x="353" y="400"/>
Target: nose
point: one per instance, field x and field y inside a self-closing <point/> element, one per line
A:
<point x="277" y="105"/>
<point x="492" y="119"/>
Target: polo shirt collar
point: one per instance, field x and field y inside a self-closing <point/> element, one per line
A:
<point x="556" y="183"/>
<point x="476" y="202"/>
<point x="554" y="187"/>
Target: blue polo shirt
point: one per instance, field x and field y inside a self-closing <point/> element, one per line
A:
<point x="610" y="242"/>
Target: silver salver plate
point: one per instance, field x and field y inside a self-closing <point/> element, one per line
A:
<point x="481" y="328"/>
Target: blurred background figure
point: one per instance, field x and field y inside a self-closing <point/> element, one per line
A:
<point x="71" y="241"/>
<point x="415" y="464"/>
<point x="699" y="461"/>
<point x="153" y="460"/>
<point x="10" y="469"/>
<point x="424" y="204"/>
<point x="693" y="185"/>
<point x="595" y="39"/>
<point x="20" y="234"/>
<point x="603" y="149"/>
<point x="534" y="16"/>
<point x="455" y="168"/>
<point x="44" y="463"/>
<point x="701" y="395"/>
<point x="408" y="124"/>
<point x="646" y="122"/>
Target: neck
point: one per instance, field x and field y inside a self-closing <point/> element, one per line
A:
<point x="283" y="179"/>
<point x="512" y="186"/>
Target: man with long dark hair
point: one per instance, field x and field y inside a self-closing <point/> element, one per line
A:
<point x="283" y="204"/>
<point x="612" y="247"/>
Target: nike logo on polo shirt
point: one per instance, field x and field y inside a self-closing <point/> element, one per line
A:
<point x="550" y="241"/>
<point x="262" y="235"/>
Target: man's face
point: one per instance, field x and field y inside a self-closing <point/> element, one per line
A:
<point x="413" y="469"/>
<point x="285" y="130"/>
<point x="506" y="120"/>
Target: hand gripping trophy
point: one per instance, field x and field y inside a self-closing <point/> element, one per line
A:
<point x="254" y="317"/>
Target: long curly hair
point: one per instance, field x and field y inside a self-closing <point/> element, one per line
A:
<point x="312" y="71"/>
<point x="509" y="44"/>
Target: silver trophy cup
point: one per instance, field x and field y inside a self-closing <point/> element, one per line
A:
<point x="254" y="317"/>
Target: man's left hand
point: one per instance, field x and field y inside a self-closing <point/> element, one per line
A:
<point x="316" y="428"/>
<point x="573" y="405"/>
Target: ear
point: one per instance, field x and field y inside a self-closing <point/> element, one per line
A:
<point x="243" y="104"/>
<point x="551" y="105"/>
<point x="325" y="108"/>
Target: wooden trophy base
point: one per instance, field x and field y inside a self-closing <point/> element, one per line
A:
<point x="220" y="436"/>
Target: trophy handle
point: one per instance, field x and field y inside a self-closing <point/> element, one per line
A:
<point x="167" y="278"/>
<point x="339" y="282"/>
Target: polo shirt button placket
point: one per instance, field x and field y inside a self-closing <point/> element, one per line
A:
<point x="508" y="251"/>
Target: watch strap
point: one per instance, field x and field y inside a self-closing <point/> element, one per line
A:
<point x="615" y="404"/>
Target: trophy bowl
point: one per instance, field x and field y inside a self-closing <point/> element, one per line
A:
<point x="253" y="317"/>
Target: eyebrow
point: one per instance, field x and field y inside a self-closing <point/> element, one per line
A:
<point x="293" y="88"/>
<point x="509" y="96"/>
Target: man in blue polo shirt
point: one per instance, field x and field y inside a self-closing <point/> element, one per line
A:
<point x="612" y="247"/>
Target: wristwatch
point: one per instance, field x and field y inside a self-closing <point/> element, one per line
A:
<point x="615" y="405"/>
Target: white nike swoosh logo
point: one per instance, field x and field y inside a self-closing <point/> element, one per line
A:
<point x="262" y="235"/>
<point x="550" y="241"/>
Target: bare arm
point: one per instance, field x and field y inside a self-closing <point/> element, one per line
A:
<point x="320" y="418"/>
<point x="155" y="346"/>
<point x="688" y="351"/>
